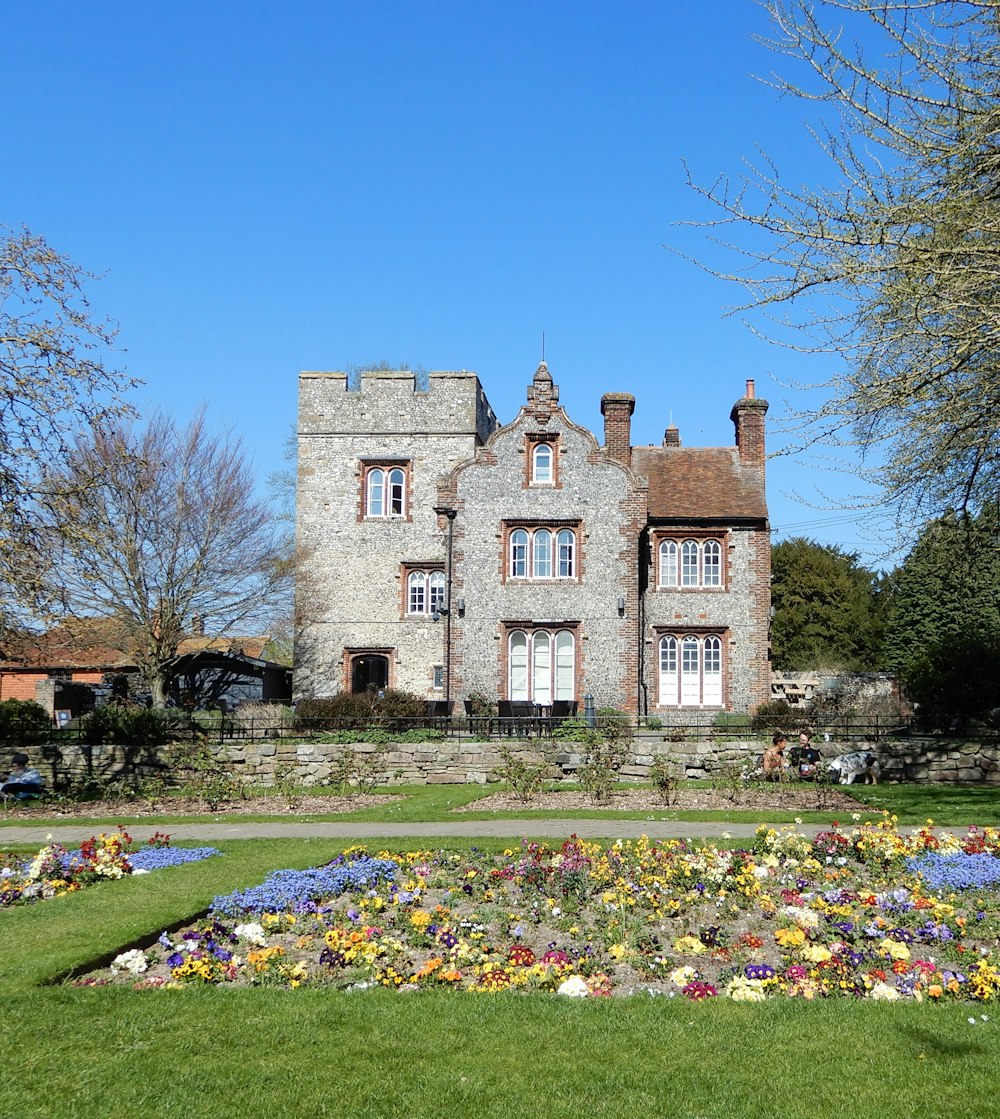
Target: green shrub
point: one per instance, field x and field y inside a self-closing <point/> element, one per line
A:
<point x="392" y="710"/>
<point x="23" y="721"/>
<point x="777" y="715"/>
<point x="139" y="727"/>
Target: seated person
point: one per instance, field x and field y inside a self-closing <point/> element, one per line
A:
<point x="24" y="780"/>
<point x="804" y="757"/>
<point x="774" y="757"/>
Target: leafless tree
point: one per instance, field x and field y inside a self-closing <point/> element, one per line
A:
<point x="53" y="380"/>
<point x="893" y="262"/>
<point x="156" y="525"/>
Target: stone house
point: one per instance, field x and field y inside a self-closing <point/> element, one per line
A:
<point x="446" y="554"/>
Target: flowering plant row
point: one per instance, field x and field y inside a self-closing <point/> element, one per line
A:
<point x="56" y="871"/>
<point x="863" y="912"/>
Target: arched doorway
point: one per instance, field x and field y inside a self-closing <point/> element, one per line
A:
<point x="370" y="671"/>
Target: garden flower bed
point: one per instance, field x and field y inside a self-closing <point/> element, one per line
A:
<point x="56" y="871"/>
<point x="861" y="912"/>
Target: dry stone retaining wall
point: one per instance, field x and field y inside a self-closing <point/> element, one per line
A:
<point x="457" y="761"/>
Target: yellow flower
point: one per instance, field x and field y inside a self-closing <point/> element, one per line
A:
<point x="789" y="938"/>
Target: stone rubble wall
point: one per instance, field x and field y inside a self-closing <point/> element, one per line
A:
<point x="458" y="761"/>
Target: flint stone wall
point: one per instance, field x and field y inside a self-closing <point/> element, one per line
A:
<point x="456" y="761"/>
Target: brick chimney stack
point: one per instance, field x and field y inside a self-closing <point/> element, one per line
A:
<point x="617" y="409"/>
<point x="672" y="436"/>
<point x="748" y="417"/>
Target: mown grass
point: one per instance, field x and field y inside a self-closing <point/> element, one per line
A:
<point x="91" y="1053"/>
<point x="948" y="805"/>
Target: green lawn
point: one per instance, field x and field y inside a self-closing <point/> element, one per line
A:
<point x="948" y="805"/>
<point x="93" y="1053"/>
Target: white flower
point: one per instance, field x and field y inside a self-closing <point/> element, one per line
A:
<point x="140" y="870"/>
<point x="972" y="1021"/>
<point x="133" y="960"/>
<point x="252" y="932"/>
<point x="883" y="992"/>
<point x="575" y="987"/>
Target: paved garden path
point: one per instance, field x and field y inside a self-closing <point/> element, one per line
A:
<point x="514" y="829"/>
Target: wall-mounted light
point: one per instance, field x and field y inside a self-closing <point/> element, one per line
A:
<point x="621" y="605"/>
<point x="460" y="607"/>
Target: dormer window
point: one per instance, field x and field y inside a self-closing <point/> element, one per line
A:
<point x="541" y="459"/>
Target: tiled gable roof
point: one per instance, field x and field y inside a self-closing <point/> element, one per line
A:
<point x="698" y="483"/>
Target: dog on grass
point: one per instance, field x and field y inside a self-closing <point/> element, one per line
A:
<point x="848" y="768"/>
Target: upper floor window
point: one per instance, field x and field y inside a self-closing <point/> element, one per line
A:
<point x="541" y="464"/>
<point x="543" y="553"/>
<point x="541" y="459"/>
<point x="690" y="563"/>
<point x="424" y="592"/>
<point x="385" y="491"/>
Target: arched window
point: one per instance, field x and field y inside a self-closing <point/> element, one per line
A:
<point x="416" y="596"/>
<point x="668" y="671"/>
<point x="517" y="687"/>
<point x="565" y="548"/>
<point x="668" y="563"/>
<point x="541" y="666"/>
<point x="397" y="485"/>
<point x="541" y="463"/>
<point x="711" y="687"/>
<point x="376" y="493"/>
<point x="690" y="671"/>
<point x="518" y="554"/>
<point x="436" y="585"/>
<point x="689" y="563"/>
<point x="565" y="665"/>
<point x="541" y="566"/>
<point x="711" y="564"/>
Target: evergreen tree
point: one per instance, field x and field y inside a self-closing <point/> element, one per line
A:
<point x="943" y="628"/>
<point x="827" y="608"/>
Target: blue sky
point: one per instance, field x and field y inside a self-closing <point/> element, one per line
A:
<point x="269" y="188"/>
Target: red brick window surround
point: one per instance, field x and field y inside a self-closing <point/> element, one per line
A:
<point x="542" y="551"/>
<point x="385" y="489"/>
<point x="690" y="668"/>
<point x="690" y="563"/>
<point x="541" y="455"/>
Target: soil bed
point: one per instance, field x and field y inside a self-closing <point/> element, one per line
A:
<point x="789" y="798"/>
<point x="195" y="806"/>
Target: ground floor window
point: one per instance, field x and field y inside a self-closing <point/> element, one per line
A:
<point x="541" y="665"/>
<point x="690" y="670"/>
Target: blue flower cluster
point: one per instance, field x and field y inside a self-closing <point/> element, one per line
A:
<point x="957" y="872"/>
<point x="298" y="891"/>
<point x="156" y="858"/>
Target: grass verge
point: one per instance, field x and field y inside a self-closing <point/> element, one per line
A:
<point x="91" y="1053"/>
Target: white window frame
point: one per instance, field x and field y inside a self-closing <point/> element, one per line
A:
<point x="385" y="493"/>
<point x="541" y="665"/>
<point x="425" y="590"/>
<point x="690" y="670"/>
<point x="543" y="465"/>
<point x="543" y="553"/>
<point x="689" y="564"/>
